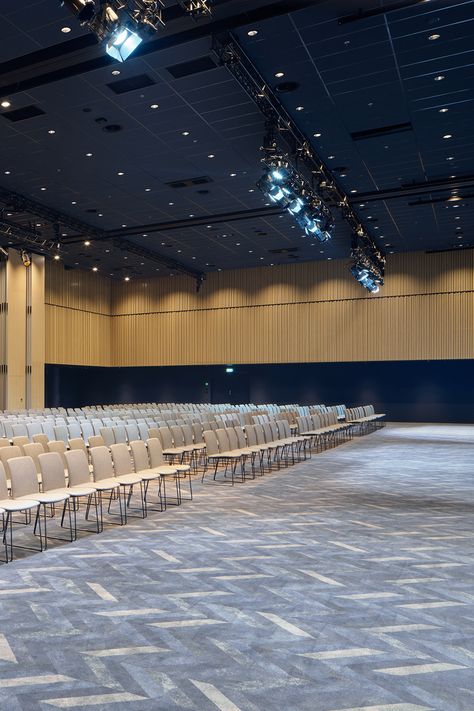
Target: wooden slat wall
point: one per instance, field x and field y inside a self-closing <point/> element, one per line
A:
<point x="78" y="320"/>
<point x="292" y="313"/>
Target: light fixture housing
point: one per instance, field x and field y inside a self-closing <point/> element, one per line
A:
<point x="25" y="258"/>
<point x="122" y="43"/>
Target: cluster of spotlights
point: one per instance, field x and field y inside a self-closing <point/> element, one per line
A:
<point x="122" y="24"/>
<point x="284" y="186"/>
<point x="369" y="262"/>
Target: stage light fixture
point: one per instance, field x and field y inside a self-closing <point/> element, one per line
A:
<point x="122" y="43"/>
<point x="285" y="186"/>
<point x="25" y="258"/>
<point x="369" y="262"/>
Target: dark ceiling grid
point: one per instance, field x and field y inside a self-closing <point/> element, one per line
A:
<point x="412" y="216"/>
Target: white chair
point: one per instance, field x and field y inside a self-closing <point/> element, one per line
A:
<point x="124" y="472"/>
<point x="80" y="480"/>
<point x="9" y="506"/>
<point x="148" y="474"/>
<point x="105" y="480"/>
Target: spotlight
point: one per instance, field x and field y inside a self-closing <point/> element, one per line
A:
<point x="25" y="258"/>
<point x="283" y="185"/>
<point x="367" y="278"/>
<point x="122" y="43"/>
<point x="229" y="370"/>
<point x="369" y="262"/>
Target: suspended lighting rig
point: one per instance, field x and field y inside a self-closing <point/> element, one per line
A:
<point x="368" y="265"/>
<point x="317" y="187"/>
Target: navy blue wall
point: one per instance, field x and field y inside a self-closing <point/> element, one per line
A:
<point x="412" y="391"/>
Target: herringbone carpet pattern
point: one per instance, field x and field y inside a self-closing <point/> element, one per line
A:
<point x="342" y="583"/>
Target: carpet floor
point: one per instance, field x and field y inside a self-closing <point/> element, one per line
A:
<point x="341" y="583"/>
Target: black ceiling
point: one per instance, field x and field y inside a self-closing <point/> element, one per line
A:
<point x="368" y="84"/>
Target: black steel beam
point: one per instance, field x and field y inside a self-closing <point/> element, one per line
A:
<point x="413" y="189"/>
<point x="218" y="218"/>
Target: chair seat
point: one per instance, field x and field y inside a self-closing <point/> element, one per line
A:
<point x="107" y="484"/>
<point x="47" y="497"/>
<point x="182" y="467"/>
<point x="129" y="479"/>
<point x="231" y="454"/>
<point x="149" y="474"/>
<point x="174" y="451"/>
<point x="79" y="490"/>
<point x="10" y="506"/>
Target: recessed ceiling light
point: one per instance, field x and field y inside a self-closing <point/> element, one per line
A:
<point x="317" y="135"/>
<point x="185" y="133"/>
<point x="124" y="225"/>
<point x="450" y="158"/>
<point x="232" y="175"/>
<point x="51" y="131"/>
<point x="439" y="77"/>
<point x="6" y="104"/>
<point x="154" y="106"/>
<point x="100" y="214"/>
<point x="115" y="72"/>
<point x="73" y="202"/>
<point x="299" y="108"/>
<point x="434" y="37"/>
<point x="87" y="243"/>
<point x="56" y="257"/>
<point x="331" y="157"/>
<point x="443" y="111"/>
<point x="120" y="172"/>
<point x="88" y="155"/>
<point x="171" y="203"/>
<point x="250" y="251"/>
<point x="7" y="172"/>
<point x="43" y="189"/>
<point x="191" y="215"/>
<point x="252" y="33"/>
<point x="211" y="155"/>
<point x="147" y="190"/>
<point x="251" y="190"/>
<point x="353" y="191"/>
<point x="448" y="135"/>
<point x="127" y="279"/>
<point x="94" y="269"/>
<point x="279" y="74"/>
<point x="65" y="30"/>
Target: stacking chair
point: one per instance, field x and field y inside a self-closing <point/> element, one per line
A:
<point x="61" y="433"/>
<point x="78" y="443"/>
<point x="48" y="430"/>
<point x="20" y="441"/>
<point x="132" y="432"/>
<point x="120" y="434"/>
<point x="9" y="506"/>
<point x="175" y="471"/>
<point x="33" y="450"/>
<point x="124" y="472"/>
<point x="4" y="442"/>
<point x="148" y="474"/>
<point x="60" y="447"/>
<point x="80" y="481"/>
<point x="255" y="451"/>
<point x="107" y="435"/>
<point x="74" y="430"/>
<point x="215" y="455"/>
<point x="19" y="430"/>
<point x="143" y="430"/>
<point x="7" y="453"/>
<point x="42" y="439"/>
<point x="103" y="470"/>
<point x="33" y="428"/>
<point x="197" y="447"/>
<point x="25" y="487"/>
<point x="96" y="441"/>
<point x="54" y="481"/>
<point x="166" y="438"/>
<point x="87" y="430"/>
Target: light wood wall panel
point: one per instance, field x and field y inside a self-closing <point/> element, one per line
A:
<point x="291" y="313"/>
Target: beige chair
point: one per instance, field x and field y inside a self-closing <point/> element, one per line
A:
<point x="54" y="481"/>
<point x="4" y="442"/>
<point x="42" y="439"/>
<point x="105" y="480"/>
<point x="124" y="472"/>
<point x="79" y="472"/>
<point x="7" y="453"/>
<point x="148" y="474"/>
<point x="78" y="443"/>
<point x="176" y="471"/>
<point x="57" y="445"/>
<point x="20" y="441"/>
<point x="33" y="450"/>
<point x="25" y="487"/>
<point x="231" y="456"/>
<point x="96" y="441"/>
<point x="9" y="506"/>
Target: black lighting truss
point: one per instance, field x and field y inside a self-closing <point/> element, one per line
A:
<point x="368" y="265"/>
<point x="103" y="18"/>
<point x="280" y="124"/>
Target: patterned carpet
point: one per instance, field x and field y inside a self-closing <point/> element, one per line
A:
<point x="342" y="583"/>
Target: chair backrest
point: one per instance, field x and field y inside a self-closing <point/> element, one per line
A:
<point x="7" y="453"/>
<point x="210" y="440"/>
<point x="177" y="434"/>
<point x="154" y="433"/>
<point x="140" y="455"/>
<point x="240" y="435"/>
<point x="3" y="483"/>
<point x="33" y="450"/>
<point x="19" y="430"/>
<point x="143" y="430"/>
<point x="96" y="441"/>
<point x="24" y="478"/>
<point x="274" y="430"/>
<point x="20" y="440"/>
<point x="52" y="471"/>
<point x="78" y="443"/>
<point x="232" y="437"/>
<point x="74" y="430"/>
<point x="48" y="430"/>
<point x="121" y="459"/>
<point x="87" y="430"/>
<point x="166" y="437"/>
<point x="57" y="445"/>
<point x="41" y="438"/>
<point x="197" y="433"/>
<point x="4" y="442"/>
<point x="267" y="431"/>
<point x="107" y="435"/>
<point x="102" y="465"/>
<point x="78" y="467"/>
<point x="284" y="429"/>
<point x="120" y="434"/>
<point x="155" y="452"/>
<point x="259" y="434"/>
<point x="61" y="433"/>
<point x="132" y="432"/>
<point x="33" y="428"/>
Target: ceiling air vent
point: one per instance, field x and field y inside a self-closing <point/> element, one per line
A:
<point x="283" y="250"/>
<point x="381" y="131"/>
<point x="26" y="112"/>
<point x="122" y="86"/>
<point x="189" y="182"/>
<point x="185" y="69"/>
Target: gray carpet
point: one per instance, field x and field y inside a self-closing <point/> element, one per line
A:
<point x="341" y="583"/>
